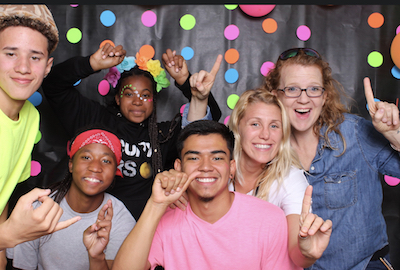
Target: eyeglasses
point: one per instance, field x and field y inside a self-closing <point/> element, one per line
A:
<point x="311" y="91"/>
<point x="295" y="51"/>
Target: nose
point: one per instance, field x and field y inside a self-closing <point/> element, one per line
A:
<point x="303" y="98"/>
<point x="95" y="166"/>
<point x="137" y="100"/>
<point x="23" y="65"/>
<point x="264" y="133"/>
<point x="205" y="165"/>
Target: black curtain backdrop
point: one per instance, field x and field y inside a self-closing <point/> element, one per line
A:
<point x="341" y="33"/>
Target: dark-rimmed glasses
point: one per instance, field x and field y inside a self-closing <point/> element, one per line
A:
<point x="295" y="51"/>
<point x="311" y="91"/>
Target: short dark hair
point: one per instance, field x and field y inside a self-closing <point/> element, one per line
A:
<point x="206" y="127"/>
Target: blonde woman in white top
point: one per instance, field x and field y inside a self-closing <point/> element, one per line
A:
<point x="267" y="167"/>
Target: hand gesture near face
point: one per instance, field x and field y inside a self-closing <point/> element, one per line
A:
<point x="314" y="231"/>
<point x="385" y="116"/>
<point x="202" y="82"/>
<point x="96" y="237"/>
<point x="107" y="56"/>
<point x="169" y="186"/>
<point x="176" y="66"/>
<point x="26" y="223"/>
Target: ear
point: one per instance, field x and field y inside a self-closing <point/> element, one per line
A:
<point x="70" y="165"/>
<point x="178" y="165"/>
<point x="117" y="99"/>
<point x="48" y="66"/>
<point x="274" y="92"/>
<point x="232" y="168"/>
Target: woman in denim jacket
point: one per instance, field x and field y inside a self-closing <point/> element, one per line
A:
<point x="343" y="155"/>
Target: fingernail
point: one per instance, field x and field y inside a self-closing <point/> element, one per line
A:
<point x="178" y="189"/>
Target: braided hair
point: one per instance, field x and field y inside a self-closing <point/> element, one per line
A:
<point x="156" y="157"/>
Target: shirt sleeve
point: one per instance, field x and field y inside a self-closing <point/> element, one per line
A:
<point x="185" y="121"/>
<point x="212" y="103"/>
<point x="295" y="185"/>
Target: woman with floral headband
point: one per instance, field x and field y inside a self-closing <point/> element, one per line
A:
<point x="147" y="146"/>
<point x="343" y="155"/>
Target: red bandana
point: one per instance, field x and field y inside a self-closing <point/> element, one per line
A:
<point x="98" y="136"/>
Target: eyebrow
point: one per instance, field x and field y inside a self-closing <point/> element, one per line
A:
<point x="104" y="153"/>
<point x="198" y="152"/>
<point x="15" y="49"/>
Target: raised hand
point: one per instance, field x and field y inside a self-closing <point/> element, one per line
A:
<point x="107" y="56"/>
<point x="202" y="82"/>
<point x="96" y="237"/>
<point x="176" y="66"/>
<point x="169" y="186"/>
<point x="384" y="115"/>
<point x="314" y="232"/>
<point x="26" y="223"/>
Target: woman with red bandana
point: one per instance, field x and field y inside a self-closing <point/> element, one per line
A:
<point x="105" y="222"/>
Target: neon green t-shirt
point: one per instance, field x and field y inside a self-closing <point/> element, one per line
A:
<point x="16" y="143"/>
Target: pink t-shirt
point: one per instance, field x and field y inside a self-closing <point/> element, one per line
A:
<point x="252" y="235"/>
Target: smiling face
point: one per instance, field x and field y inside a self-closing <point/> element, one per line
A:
<point x="135" y="98"/>
<point x="24" y="63"/>
<point x="303" y="111"/>
<point x="208" y="154"/>
<point x="93" y="169"/>
<point x="260" y="132"/>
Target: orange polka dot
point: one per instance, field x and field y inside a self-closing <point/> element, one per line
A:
<point x="106" y="41"/>
<point x="231" y="56"/>
<point x="147" y="51"/>
<point x="376" y="20"/>
<point x="269" y="25"/>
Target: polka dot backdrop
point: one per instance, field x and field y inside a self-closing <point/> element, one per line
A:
<point x="354" y="39"/>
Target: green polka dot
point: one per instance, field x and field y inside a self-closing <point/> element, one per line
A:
<point x="38" y="136"/>
<point x="231" y="7"/>
<point x="232" y="100"/>
<point x="188" y="22"/>
<point x="74" y="35"/>
<point x="375" y="59"/>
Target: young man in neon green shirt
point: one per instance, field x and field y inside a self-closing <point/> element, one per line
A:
<point x="28" y="34"/>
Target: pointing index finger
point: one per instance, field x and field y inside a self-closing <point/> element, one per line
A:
<point x="217" y="64"/>
<point x="369" y="95"/>
<point x="307" y="200"/>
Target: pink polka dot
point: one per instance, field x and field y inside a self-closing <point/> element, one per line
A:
<point x="182" y="108"/>
<point x="149" y="18"/>
<point x="74" y="5"/>
<point x="303" y="32"/>
<point x="391" y="181"/>
<point x="104" y="87"/>
<point x="397" y="29"/>
<point x="231" y="32"/>
<point x="226" y="120"/>
<point x="36" y="168"/>
<point x="266" y="67"/>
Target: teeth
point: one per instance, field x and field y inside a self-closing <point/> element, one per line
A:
<point x="92" y="180"/>
<point x="262" y="146"/>
<point x="205" y="180"/>
<point x="302" y="110"/>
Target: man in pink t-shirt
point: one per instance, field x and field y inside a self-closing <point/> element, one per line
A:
<point x="219" y="229"/>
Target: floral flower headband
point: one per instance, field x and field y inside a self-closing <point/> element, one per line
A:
<point x="144" y="63"/>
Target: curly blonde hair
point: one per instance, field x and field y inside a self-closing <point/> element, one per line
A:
<point x="332" y="113"/>
<point x="286" y="157"/>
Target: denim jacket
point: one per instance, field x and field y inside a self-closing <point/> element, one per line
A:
<point x="347" y="190"/>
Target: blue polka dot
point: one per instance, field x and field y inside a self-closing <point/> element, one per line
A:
<point x="78" y="82"/>
<point x="36" y="98"/>
<point x="187" y="53"/>
<point x="375" y="99"/>
<point x="396" y="72"/>
<point x="107" y="18"/>
<point x="231" y="75"/>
